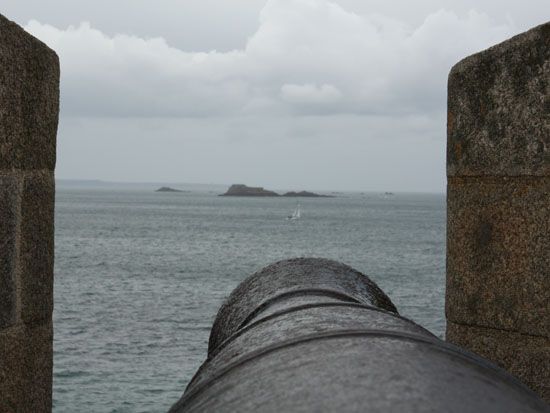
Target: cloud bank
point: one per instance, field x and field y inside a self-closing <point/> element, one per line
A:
<point x="307" y="57"/>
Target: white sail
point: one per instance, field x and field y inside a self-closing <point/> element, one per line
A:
<point x="296" y="214"/>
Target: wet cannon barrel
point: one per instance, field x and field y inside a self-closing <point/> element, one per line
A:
<point x="314" y="335"/>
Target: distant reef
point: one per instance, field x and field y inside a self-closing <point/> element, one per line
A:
<point x="243" y="190"/>
<point x="168" y="189"/>
<point x="307" y="194"/>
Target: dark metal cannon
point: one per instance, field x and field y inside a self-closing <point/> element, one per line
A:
<point x="314" y="335"/>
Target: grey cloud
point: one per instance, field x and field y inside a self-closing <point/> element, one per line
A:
<point x="194" y="25"/>
<point x="314" y="94"/>
<point x="304" y="53"/>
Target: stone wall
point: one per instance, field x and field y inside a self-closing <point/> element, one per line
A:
<point x="29" y="105"/>
<point x="498" y="205"/>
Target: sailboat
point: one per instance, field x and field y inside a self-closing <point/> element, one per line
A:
<point x="296" y="214"/>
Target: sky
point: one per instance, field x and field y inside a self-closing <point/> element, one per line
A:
<point x="285" y="94"/>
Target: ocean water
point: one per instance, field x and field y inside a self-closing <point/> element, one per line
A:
<point x="140" y="275"/>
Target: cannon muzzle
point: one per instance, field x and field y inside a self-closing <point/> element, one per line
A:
<point x="314" y="335"/>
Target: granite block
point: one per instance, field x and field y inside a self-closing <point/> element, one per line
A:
<point x="26" y="368"/>
<point x="37" y="247"/>
<point x="499" y="109"/>
<point x="498" y="253"/>
<point x="9" y="189"/>
<point x="29" y="100"/>
<point x="526" y="357"/>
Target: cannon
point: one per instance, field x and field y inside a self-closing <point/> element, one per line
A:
<point x="315" y="335"/>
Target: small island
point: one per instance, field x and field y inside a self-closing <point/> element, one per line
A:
<point x="243" y="190"/>
<point x="307" y="194"/>
<point x="167" y="189"/>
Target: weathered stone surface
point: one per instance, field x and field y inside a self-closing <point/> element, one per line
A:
<point x="29" y="105"/>
<point x="498" y="109"/>
<point x="498" y="205"/>
<point x="498" y="260"/>
<point x="26" y="368"/>
<point x="526" y="357"/>
<point x="37" y="247"/>
<point x="9" y="189"/>
<point x="29" y="100"/>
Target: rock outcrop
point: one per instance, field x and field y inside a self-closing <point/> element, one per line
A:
<point x="243" y="190"/>
<point x="168" y="189"/>
<point x="306" y="194"/>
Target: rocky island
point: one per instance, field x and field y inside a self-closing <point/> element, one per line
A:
<point x="167" y="189"/>
<point x="306" y="194"/>
<point x="243" y="190"/>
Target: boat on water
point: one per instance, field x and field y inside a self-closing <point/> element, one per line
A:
<point x="296" y="214"/>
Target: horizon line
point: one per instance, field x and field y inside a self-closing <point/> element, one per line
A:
<point x="114" y="182"/>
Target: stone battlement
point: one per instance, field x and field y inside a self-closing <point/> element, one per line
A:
<point x="498" y="206"/>
<point x="29" y="106"/>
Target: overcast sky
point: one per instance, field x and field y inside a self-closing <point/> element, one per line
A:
<point x="286" y="94"/>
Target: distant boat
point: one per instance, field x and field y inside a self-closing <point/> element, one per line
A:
<point x="296" y="214"/>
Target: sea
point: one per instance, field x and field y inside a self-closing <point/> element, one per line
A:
<point x="140" y="275"/>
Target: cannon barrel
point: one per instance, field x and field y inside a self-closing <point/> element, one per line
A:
<point x="314" y="335"/>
